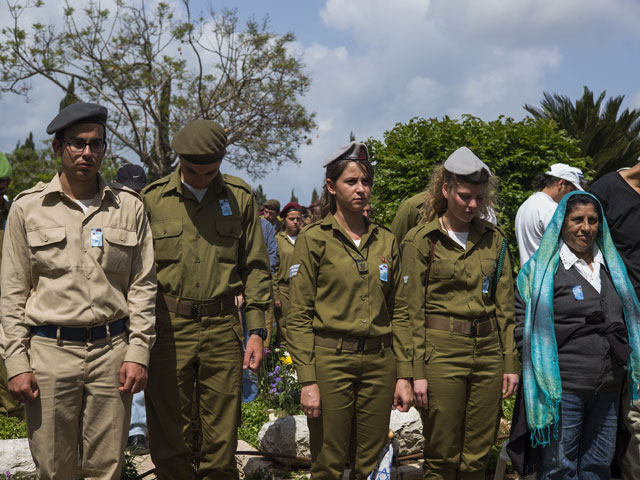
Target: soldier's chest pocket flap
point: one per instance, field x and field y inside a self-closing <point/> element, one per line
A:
<point x="229" y="231"/>
<point x="117" y="249"/>
<point x="166" y="239"/>
<point x="47" y="247"/>
<point x="442" y="269"/>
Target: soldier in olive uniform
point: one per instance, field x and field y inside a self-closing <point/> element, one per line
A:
<point x="292" y="220"/>
<point x="463" y="323"/>
<point x="408" y="216"/>
<point x="8" y="406"/>
<point x="208" y="247"/>
<point x="350" y="337"/>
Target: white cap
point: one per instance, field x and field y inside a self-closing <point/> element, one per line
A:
<point x="568" y="173"/>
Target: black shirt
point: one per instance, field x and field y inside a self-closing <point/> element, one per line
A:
<point x="621" y="205"/>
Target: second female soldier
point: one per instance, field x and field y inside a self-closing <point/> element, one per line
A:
<point x="461" y="304"/>
<point x="286" y="238"/>
<point x="348" y="327"/>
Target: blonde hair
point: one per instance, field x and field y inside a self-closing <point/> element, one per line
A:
<point x="435" y="204"/>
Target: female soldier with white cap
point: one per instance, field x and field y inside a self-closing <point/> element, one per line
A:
<point x="461" y="305"/>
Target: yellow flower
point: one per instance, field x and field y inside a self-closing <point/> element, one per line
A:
<point x="286" y="360"/>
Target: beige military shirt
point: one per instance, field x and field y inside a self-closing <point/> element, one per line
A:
<point x="285" y="258"/>
<point x="212" y="248"/>
<point x="459" y="284"/>
<point x="52" y="275"/>
<point x="329" y="294"/>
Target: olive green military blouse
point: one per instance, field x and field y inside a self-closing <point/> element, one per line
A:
<point x="458" y="285"/>
<point x="285" y="259"/>
<point x="329" y="294"/>
<point x="209" y="249"/>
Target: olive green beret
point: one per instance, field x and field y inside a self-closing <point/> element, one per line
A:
<point x="271" y="205"/>
<point x="5" y="167"/>
<point x="464" y="163"/>
<point x="200" y="141"/>
<point x="351" y="151"/>
<point x="78" y="113"/>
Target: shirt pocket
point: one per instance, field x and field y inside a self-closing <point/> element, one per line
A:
<point x="441" y="269"/>
<point x="229" y="232"/>
<point x="166" y="240"/>
<point x="118" y="249"/>
<point x="48" y="249"/>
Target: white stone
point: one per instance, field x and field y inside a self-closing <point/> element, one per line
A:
<point x="407" y="428"/>
<point x="15" y="457"/>
<point x="288" y="435"/>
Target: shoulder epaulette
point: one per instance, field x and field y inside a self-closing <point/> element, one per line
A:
<point x="38" y="187"/>
<point x="311" y="225"/>
<point x="384" y="227"/>
<point x="158" y="183"/>
<point x="236" y="182"/>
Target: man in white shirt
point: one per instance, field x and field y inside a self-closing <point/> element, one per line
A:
<point x="535" y="213"/>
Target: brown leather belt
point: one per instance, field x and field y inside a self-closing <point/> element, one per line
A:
<point x="478" y="327"/>
<point x="352" y="344"/>
<point x="205" y="308"/>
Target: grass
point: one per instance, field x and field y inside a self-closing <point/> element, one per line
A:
<point x="11" y="428"/>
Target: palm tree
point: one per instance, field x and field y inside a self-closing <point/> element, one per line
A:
<point x="610" y="137"/>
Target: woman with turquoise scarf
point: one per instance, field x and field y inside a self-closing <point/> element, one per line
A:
<point x="577" y="326"/>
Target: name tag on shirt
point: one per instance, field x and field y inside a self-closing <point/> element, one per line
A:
<point x="96" y="237"/>
<point x="578" y="294"/>
<point x="225" y="207"/>
<point x="384" y="272"/>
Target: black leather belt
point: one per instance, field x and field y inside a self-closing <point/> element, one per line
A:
<point x="206" y="308"/>
<point x="81" y="334"/>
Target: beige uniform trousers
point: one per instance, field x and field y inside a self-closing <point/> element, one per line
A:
<point x="631" y="461"/>
<point x="79" y="408"/>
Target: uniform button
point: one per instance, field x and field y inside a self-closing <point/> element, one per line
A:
<point x="88" y="277"/>
<point x="197" y="284"/>
<point x="84" y="250"/>
<point x="93" y="305"/>
<point x="364" y="321"/>
<point x="197" y="236"/>
<point x="164" y="231"/>
<point x="197" y="260"/>
<point x="122" y="238"/>
<point x="46" y="239"/>
<point x="363" y="298"/>
<point x="468" y="275"/>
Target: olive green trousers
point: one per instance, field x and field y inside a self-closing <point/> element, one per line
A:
<point x="356" y="391"/>
<point x="195" y="364"/>
<point x="281" y="313"/>
<point x="464" y="392"/>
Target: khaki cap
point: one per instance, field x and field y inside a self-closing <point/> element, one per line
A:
<point x="464" y="163"/>
<point x="271" y="205"/>
<point x="201" y="141"/>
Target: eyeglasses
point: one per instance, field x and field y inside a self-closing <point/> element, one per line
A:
<point x="77" y="145"/>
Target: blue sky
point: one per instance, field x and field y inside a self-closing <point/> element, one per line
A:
<point x="374" y="63"/>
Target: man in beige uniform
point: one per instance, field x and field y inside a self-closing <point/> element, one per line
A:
<point x="78" y="296"/>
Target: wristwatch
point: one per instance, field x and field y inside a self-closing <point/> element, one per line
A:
<point x="261" y="332"/>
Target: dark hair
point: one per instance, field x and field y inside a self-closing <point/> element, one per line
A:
<point x="582" y="199"/>
<point x="543" y="180"/>
<point x="59" y="135"/>
<point x="305" y="211"/>
<point x="333" y="172"/>
<point x="286" y="212"/>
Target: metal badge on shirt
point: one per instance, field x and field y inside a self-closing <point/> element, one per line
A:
<point x="96" y="237"/>
<point x="225" y="207"/>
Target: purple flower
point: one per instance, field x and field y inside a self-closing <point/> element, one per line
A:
<point x="273" y="390"/>
<point x="277" y="380"/>
<point x="277" y="369"/>
<point x="7" y="475"/>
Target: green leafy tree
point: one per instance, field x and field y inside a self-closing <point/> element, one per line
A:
<point x="156" y="69"/>
<point x="515" y="151"/>
<point x="314" y="196"/>
<point x="293" y="197"/>
<point x="260" y="196"/>
<point x="604" y="133"/>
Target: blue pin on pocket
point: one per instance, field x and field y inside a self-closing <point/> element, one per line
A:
<point x="384" y="272"/>
<point x="96" y="237"/>
<point x="485" y="284"/>
<point x="578" y="294"/>
<point x="225" y="207"/>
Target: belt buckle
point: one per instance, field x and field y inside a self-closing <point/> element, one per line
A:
<point x="88" y="334"/>
<point x="361" y="342"/>
<point x="195" y="310"/>
<point x="473" y="331"/>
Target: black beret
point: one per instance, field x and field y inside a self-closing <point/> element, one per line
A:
<point x="78" y="113"/>
<point x="201" y="142"/>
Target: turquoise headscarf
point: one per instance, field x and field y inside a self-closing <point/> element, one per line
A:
<point x="540" y="369"/>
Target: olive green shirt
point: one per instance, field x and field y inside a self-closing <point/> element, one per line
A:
<point x="285" y="259"/>
<point x="455" y="286"/>
<point x="329" y="294"/>
<point x="408" y="216"/>
<point x="209" y="249"/>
